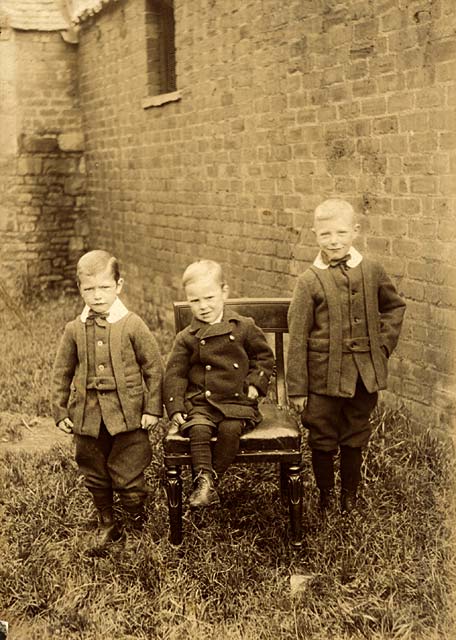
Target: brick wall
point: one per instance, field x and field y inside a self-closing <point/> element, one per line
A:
<point x="42" y="172"/>
<point x="283" y="104"/>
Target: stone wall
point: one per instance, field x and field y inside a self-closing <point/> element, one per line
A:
<point x="42" y="171"/>
<point x="283" y="104"/>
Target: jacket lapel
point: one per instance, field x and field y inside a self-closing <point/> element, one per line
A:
<point x="335" y="329"/>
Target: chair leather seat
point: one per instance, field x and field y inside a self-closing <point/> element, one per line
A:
<point x="277" y="431"/>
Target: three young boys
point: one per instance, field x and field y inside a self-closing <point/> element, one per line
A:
<point x="344" y="321"/>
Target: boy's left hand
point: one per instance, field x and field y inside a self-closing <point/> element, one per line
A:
<point x="148" y="421"/>
<point x="252" y="393"/>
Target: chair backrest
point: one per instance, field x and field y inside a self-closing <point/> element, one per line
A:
<point x="270" y="314"/>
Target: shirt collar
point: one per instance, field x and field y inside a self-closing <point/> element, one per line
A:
<point x="227" y="316"/>
<point x="355" y="259"/>
<point x="116" y="311"/>
<point x="219" y="319"/>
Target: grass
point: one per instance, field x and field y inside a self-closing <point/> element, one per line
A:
<point x="386" y="572"/>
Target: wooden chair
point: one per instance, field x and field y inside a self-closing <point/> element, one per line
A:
<point x="276" y="439"/>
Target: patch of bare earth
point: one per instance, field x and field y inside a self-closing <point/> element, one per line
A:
<point x="19" y="432"/>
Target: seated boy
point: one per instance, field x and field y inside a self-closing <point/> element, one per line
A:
<point x="220" y="364"/>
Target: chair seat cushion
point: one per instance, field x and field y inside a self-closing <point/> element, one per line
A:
<point x="277" y="431"/>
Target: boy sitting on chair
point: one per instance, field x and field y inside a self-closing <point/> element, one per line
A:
<point x="219" y="365"/>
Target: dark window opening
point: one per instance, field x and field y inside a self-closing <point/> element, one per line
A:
<point x="161" y="51"/>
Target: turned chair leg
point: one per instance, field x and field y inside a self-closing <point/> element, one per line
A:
<point x="174" y="493"/>
<point x="295" y="498"/>
<point x="284" y="483"/>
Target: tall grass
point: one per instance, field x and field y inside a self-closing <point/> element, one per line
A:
<point x="385" y="572"/>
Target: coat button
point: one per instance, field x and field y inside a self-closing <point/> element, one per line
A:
<point x="236" y="395"/>
<point x="208" y="367"/>
<point x="235" y="365"/>
<point x="171" y="399"/>
<point x="101" y="367"/>
<point x="207" y="393"/>
<point x="232" y="337"/>
<point x="100" y="343"/>
<point x="203" y="342"/>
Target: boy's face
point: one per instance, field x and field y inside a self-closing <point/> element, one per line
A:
<point x="335" y="235"/>
<point x="99" y="290"/>
<point x="206" y="297"/>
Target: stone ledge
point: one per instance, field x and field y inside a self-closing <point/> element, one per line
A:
<point x="161" y="99"/>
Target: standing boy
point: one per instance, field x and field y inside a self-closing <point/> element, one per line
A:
<point x="219" y="366"/>
<point x="344" y="321"/>
<point x="106" y="389"/>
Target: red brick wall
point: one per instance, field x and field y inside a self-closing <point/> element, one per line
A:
<point x="42" y="171"/>
<point x="283" y="104"/>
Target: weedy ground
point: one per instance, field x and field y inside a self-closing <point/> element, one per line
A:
<point x="386" y="572"/>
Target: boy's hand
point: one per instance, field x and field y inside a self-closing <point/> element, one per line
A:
<point x="298" y="403"/>
<point x="65" y="425"/>
<point x="148" y="421"/>
<point x="178" y="418"/>
<point x="252" y="393"/>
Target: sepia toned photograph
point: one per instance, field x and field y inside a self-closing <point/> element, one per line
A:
<point x="228" y="319"/>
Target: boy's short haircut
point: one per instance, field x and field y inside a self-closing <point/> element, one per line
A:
<point x="95" y="262"/>
<point x="333" y="207"/>
<point x="202" y="269"/>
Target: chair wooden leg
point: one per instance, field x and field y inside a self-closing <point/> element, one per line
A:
<point x="295" y="497"/>
<point x="284" y="483"/>
<point x="174" y="493"/>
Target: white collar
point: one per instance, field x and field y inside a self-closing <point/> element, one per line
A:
<point x="116" y="311"/>
<point x="355" y="259"/>
<point x="219" y="319"/>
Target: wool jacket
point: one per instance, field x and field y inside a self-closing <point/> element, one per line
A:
<point x="215" y="364"/>
<point x="136" y="364"/>
<point x="318" y="354"/>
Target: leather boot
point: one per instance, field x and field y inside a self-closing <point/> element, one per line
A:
<point x="347" y="501"/>
<point x="327" y="501"/>
<point x="204" y="493"/>
<point x="137" y="516"/>
<point x="108" y="531"/>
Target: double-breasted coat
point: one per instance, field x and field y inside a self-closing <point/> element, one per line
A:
<point x="214" y="364"/>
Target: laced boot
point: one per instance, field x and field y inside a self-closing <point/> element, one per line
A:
<point x="204" y="494"/>
<point x="137" y="516"/>
<point x="108" y="531"/>
<point x="327" y="501"/>
<point x="348" y="501"/>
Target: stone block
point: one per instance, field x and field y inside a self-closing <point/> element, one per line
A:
<point x="28" y="165"/>
<point x="73" y="141"/>
<point x="75" y="185"/>
<point x="38" y="144"/>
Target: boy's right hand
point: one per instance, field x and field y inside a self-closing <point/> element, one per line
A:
<point x="298" y="403"/>
<point x="178" y="418"/>
<point x="65" y="425"/>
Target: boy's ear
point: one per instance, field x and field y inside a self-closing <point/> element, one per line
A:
<point x="120" y="283"/>
<point x="357" y="227"/>
<point x="225" y="291"/>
